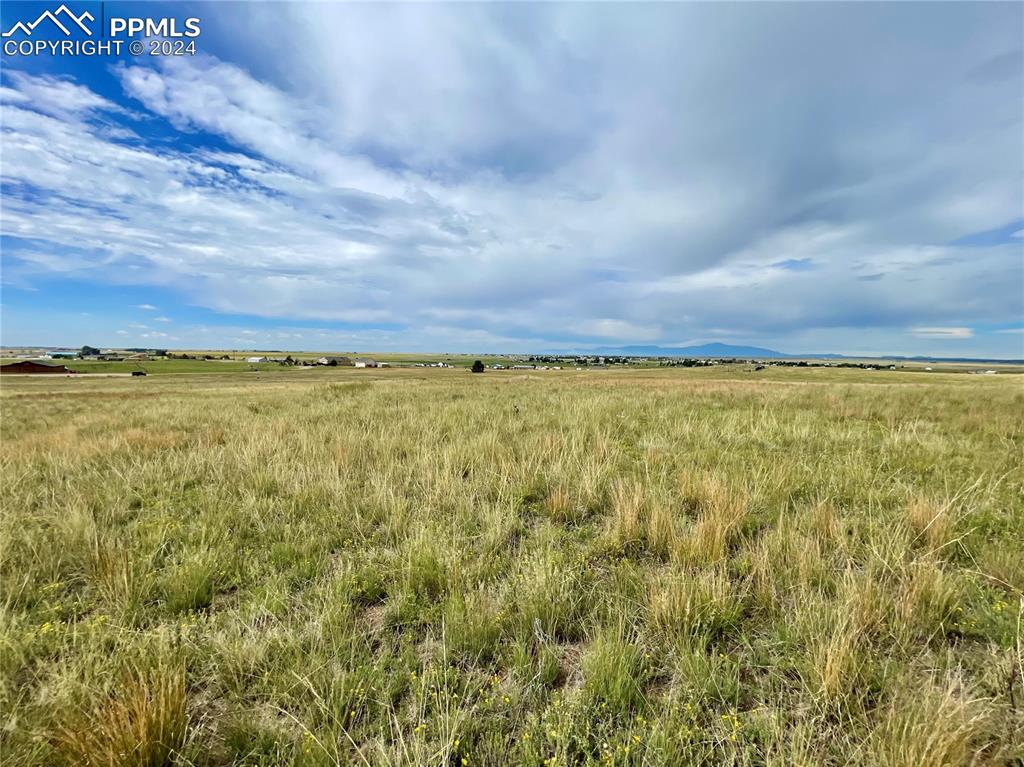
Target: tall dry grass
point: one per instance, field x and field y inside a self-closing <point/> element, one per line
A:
<point x="431" y="568"/>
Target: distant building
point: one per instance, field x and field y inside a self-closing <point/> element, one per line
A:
<point x="137" y="357"/>
<point x="103" y="357"/>
<point x="255" y="359"/>
<point x="335" y="361"/>
<point x="363" y="362"/>
<point x="28" y="367"/>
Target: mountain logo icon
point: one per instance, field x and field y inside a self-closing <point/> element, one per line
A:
<point x="63" y="18"/>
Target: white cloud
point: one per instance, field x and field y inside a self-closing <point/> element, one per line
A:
<point x="146" y="307"/>
<point x="56" y="96"/>
<point x="952" y="333"/>
<point x="221" y="98"/>
<point x="529" y="176"/>
<point x="617" y="330"/>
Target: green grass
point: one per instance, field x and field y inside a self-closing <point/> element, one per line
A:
<point x="427" y="567"/>
<point x="159" y="366"/>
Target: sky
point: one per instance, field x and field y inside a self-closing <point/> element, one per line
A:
<point x="810" y="177"/>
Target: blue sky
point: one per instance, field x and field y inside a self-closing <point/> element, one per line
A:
<point x="812" y="177"/>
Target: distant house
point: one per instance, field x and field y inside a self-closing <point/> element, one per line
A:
<point x="334" y="361"/>
<point x="363" y="362"/>
<point x="139" y="357"/>
<point x="256" y="359"/>
<point x="104" y="357"/>
<point x="28" y="367"/>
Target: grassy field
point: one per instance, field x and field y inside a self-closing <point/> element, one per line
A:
<point x="237" y="360"/>
<point x="165" y="366"/>
<point x="427" y="567"/>
<point x="237" y="363"/>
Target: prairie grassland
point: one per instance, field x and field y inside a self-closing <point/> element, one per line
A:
<point x="435" y="568"/>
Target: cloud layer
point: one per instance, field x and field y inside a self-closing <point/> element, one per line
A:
<point x="552" y="175"/>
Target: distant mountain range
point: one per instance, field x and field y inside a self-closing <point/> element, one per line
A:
<point x="759" y="352"/>
<point x="703" y="350"/>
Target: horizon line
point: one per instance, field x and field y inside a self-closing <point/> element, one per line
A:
<point x="550" y="353"/>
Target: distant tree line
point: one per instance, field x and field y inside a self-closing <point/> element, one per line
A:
<point x="152" y="352"/>
<point x="579" y="361"/>
<point x="689" y="362"/>
<point x="184" y="356"/>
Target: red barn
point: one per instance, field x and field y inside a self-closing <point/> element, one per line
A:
<point x="28" y="367"/>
